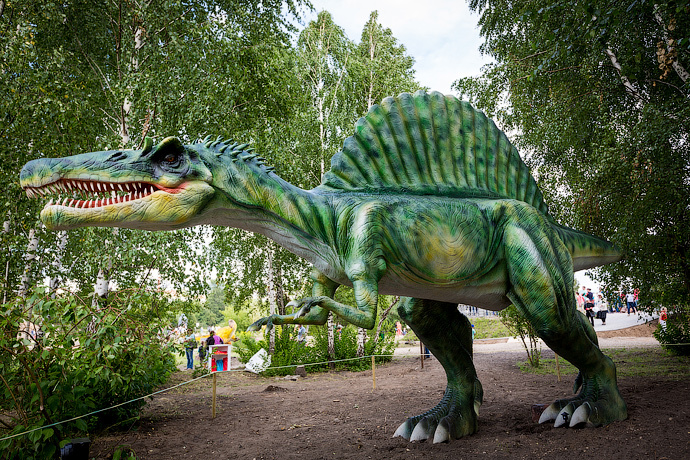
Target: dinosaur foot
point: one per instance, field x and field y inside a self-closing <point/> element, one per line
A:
<point x="454" y="417"/>
<point x="598" y="403"/>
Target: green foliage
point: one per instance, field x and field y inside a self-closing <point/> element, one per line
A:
<point x="289" y="352"/>
<point x="675" y="338"/>
<point x="597" y="96"/>
<point x="522" y="329"/>
<point x="84" y="359"/>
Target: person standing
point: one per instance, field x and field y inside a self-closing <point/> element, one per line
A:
<point x="663" y="317"/>
<point x="601" y="308"/>
<point x="301" y="334"/>
<point x="189" y="347"/>
<point x="589" y="305"/>
<point x="630" y="300"/>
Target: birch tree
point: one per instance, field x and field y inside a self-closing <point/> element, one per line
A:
<point x="597" y="95"/>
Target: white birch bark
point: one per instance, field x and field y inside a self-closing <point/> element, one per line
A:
<point x="28" y="325"/>
<point x="54" y="281"/>
<point x="626" y="82"/>
<point x="29" y="258"/>
<point x="677" y="66"/>
<point x="271" y="300"/>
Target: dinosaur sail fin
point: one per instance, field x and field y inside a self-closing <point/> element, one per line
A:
<point x="431" y="144"/>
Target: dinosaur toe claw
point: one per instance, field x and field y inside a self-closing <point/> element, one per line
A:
<point x="423" y="430"/>
<point x="581" y="415"/>
<point x="404" y="430"/>
<point x="564" y="416"/>
<point x="549" y="414"/>
<point x="443" y="431"/>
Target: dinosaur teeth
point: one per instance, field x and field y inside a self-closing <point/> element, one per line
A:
<point x="50" y="202"/>
<point x="71" y="203"/>
<point x="119" y="186"/>
<point x="64" y="202"/>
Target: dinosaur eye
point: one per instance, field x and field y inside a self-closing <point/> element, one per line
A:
<point x="170" y="158"/>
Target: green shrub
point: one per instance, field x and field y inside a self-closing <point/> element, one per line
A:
<point x="288" y="352"/>
<point x="87" y="358"/>
<point x="522" y="329"/>
<point x="675" y="338"/>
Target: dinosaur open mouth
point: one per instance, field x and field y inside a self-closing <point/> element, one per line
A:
<point x="81" y="194"/>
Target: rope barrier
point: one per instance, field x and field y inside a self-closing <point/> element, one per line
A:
<point x="179" y="385"/>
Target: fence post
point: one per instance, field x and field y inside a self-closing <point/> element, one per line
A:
<point x="213" y="410"/>
<point x="373" y="370"/>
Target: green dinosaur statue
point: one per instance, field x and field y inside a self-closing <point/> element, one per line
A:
<point x="427" y="200"/>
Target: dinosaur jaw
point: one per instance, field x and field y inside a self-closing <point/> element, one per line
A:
<point x="144" y="205"/>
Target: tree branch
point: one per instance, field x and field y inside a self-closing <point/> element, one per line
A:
<point x="680" y="70"/>
<point x="626" y="83"/>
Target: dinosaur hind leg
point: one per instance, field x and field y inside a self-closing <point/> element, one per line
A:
<point x="541" y="287"/>
<point x="448" y="335"/>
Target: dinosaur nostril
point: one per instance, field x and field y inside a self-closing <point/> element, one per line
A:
<point x="117" y="156"/>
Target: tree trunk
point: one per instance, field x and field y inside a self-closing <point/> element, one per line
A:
<point x="54" y="282"/>
<point x="384" y="315"/>
<point x="361" y="341"/>
<point x="25" y="282"/>
<point x="272" y="292"/>
<point x="29" y="258"/>
<point x="670" y="49"/>
<point x="331" y="340"/>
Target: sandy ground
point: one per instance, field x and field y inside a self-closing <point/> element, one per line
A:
<point x="338" y="415"/>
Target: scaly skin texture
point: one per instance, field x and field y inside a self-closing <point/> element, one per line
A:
<point x="428" y="200"/>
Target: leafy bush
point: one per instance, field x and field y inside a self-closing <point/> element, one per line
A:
<point x="84" y="358"/>
<point x="522" y="329"/>
<point x="675" y="338"/>
<point x="289" y="352"/>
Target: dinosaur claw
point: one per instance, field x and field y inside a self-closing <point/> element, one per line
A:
<point x="549" y="414"/>
<point x="404" y="430"/>
<point x="292" y="303"/>
<point x="581" y="415"/>
<point x="422" y="431"/>
<point x="442" y="433"/>
<point x="564" y="416"/>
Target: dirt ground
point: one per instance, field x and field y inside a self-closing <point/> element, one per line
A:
<point x="338" y="415"/>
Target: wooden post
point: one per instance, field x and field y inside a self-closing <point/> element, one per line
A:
<point x="213" y="411"/>
<point x="558" y="368"/>
<point x="421" y="352"/>
<point x="373" y="370"/>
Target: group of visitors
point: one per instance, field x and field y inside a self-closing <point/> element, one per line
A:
<point x="596" y="306"/>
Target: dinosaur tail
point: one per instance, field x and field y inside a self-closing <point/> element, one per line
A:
<point x="586" y="250"/>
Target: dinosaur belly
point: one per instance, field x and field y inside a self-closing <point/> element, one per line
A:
<point x="449" y="243"/>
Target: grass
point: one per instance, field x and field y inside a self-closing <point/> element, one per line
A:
<point x="633" y="362"/>
<point x="489" y="327"/>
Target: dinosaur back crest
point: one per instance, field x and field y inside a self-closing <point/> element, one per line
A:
<point x="431" y="144"/>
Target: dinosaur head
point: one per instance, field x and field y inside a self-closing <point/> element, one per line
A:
<point x="160" y="187"/>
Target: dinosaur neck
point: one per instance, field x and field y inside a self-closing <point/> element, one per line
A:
<point x="262" y="202"/>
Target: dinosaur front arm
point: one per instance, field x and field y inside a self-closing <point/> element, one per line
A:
<point x="322" y="288"/>
<point x="314" y="310"/>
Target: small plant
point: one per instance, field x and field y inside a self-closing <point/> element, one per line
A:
<point x="290" y="353"/>
<point x="520" y="328"/>
<point x="675" y="337"/>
